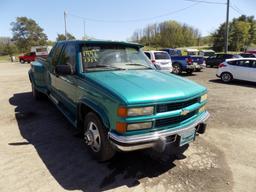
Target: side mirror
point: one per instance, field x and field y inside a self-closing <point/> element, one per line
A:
<point x="63" y="70"/>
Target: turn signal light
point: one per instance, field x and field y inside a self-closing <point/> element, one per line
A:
<point x="121" y="127"/>
<point x="122" y="112"/>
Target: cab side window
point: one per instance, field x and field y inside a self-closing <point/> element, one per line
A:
<point x="68" y="57"/>
<point x="57" y="52"/>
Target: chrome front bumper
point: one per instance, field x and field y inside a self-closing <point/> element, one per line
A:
<point x="148" y="140"/>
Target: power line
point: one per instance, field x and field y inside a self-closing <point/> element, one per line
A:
<point x="134" y="20"/>
<point x="207" y="2"/>
<point x="236" y="10"/>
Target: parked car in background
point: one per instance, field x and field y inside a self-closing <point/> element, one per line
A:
<point x="253" y="51"/>
<point x="160" y="59"/>
<point x="242" y="69"/>
<point x="182" y="63"/>
<point x="198" y="60"/>
<point x="28" y="57"/>
<point x="207" y="53"/>
<point x="247" y="55"/>
<point x="214" y="61"/>
<point x="112" y="94"/>
<point x="36" y="51"/>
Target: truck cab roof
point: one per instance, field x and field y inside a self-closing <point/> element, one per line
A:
<point x="124" y="43"/>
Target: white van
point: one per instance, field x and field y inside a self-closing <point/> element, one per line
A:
<point x="160" y="59"/>
<point x="41" y="50"/>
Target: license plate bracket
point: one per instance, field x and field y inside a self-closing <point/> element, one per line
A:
<point x="187" y="137"/>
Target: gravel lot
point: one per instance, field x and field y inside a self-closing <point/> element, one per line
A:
<point x="39" y="152"/>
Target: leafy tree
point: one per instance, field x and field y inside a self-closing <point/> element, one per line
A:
<point x="239" y="35"/>
<point x="27" y="33"/>
<point x="167" y="34"/>
<point x="62" y="37"/>
<point x="219" y="38"/>
<point x="10" y="49"/>
<point x="242" y="34"/>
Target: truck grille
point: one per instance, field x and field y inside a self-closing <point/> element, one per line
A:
<point x="175" y="106"/>
<point x="173" y="120"/>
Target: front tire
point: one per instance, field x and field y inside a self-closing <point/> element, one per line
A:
<point x="96" y="138"/>
<point x="226" y="77"/>
<point x="22" y="61"/>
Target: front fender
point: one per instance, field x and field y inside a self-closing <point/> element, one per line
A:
<point x="101" y="112"/>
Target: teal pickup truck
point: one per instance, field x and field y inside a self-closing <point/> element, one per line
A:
<point x="111" y="92"/>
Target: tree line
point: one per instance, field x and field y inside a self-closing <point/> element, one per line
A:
<point x="167" y="34"/>
<point x="26" y="33"/>
<point x="242" y="34"/>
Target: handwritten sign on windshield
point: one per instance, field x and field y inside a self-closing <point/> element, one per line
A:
<point x="90" y="55"/>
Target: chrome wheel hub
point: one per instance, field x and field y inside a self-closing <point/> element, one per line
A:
<point x="92" y="137"/>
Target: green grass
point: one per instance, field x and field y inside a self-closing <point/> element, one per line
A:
<point x="6" y="58"/>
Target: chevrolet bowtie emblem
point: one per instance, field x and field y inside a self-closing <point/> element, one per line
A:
<point x="184" y="112"/>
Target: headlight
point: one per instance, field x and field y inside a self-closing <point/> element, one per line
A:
<point x="138" y="126"/>
<point x="203" y="97"/>
<point x="136" y="111"/>
<point x="140" y="111"/>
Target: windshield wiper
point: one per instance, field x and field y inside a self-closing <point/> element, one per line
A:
<point x="105" y="66"/>
<point x="138" y="64"/>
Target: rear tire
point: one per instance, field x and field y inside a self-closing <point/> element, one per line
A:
<point x="226" y="77"/>
<point x="96" y="138"/>
<point x="176" y="68"/>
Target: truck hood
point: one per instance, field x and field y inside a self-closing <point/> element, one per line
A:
<point x="146" y="86"/>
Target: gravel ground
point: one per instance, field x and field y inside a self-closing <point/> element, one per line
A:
<point x="39" y="152"/>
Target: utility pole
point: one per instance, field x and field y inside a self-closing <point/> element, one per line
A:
<point x="226" y="32"/>
<point x="65" y="22"/>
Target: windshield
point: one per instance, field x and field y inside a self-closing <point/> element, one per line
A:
<point x="209" y="54"/>
<point x="161" y="55"/>
<point x="113" y="57"/>
<point x="192" y="53"/>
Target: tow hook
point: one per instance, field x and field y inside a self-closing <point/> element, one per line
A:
<point x="201" y="128"/>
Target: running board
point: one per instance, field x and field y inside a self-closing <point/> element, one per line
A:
<point x="54" y="100"/>
<point x="63" y="110"/>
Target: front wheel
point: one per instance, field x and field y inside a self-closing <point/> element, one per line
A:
<point x="22" y="61"/>
<point x="226" y="77"/>
<point x="96" y="138"/>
